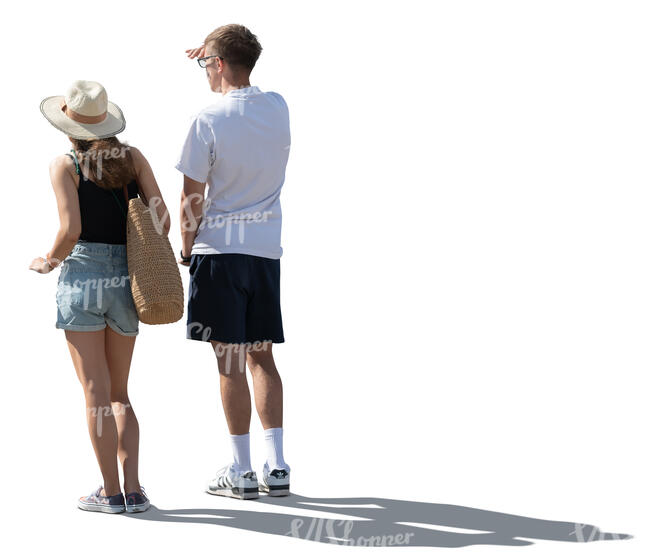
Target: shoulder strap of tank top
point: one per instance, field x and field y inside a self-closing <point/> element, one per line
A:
<point x="74" y="158"/>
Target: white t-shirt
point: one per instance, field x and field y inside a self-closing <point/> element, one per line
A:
<point x="240" y="147"/>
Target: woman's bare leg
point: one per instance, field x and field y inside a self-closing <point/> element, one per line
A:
<point x="89" y="358"/>
<point x="119" y="351"/>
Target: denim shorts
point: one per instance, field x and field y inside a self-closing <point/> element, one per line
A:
<point x="94" y="290"/>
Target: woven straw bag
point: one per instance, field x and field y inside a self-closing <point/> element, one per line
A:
<point x="156" y="282"/>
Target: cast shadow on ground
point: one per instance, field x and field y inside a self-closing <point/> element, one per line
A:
<point x="385" y="522"/>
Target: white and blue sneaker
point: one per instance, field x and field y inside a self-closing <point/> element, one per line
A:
<point x="96" y="502"/>
<point x="275" y="482"/>
<point x="137" y="502"/>
<point x="232" y="483"/>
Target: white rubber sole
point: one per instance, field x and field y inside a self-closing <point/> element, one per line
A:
<point x="137" y="508"/>
<point x="275" y="491"/>
<point x="235" y="492"/>
<point x="110" y="509"/>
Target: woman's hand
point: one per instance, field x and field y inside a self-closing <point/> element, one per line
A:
<point x="40" y="265"/>
<point x="197" y="52"/>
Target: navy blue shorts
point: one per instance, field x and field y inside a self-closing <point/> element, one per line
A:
<point x="234" y="298"/>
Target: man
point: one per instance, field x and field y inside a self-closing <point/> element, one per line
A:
<point x="239" y="146"/>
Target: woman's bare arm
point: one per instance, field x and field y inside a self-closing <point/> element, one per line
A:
<point x="67" y="202"/>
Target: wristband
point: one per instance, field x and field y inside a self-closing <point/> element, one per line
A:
<point x="185" y="258"/>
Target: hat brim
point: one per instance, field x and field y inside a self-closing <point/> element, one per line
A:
<point x="113" y="124"/>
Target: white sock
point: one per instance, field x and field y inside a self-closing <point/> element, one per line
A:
<point x="241" y="450"/>
<point x="275" y="458"/>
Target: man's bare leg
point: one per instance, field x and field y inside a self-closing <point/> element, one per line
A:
<point x="236" y="479"/>
<point x="235" y="395"/>
<point x="267" y="386"/>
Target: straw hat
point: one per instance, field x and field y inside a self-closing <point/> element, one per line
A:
<point x="91" y="115"/>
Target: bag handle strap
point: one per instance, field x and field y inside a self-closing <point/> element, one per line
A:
<point x="126" y="197"/>
<point x="135" y="174"/>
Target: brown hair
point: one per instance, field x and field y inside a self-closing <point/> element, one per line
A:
<point x="107" y="162"/>
<point x="236" y="44"/>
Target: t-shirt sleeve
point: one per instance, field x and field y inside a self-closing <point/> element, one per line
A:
<point x="197" y="155"/>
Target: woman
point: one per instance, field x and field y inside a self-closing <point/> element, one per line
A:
<point x="94" y="291"/>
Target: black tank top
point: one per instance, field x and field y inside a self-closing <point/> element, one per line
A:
<point x="103" y="211"/>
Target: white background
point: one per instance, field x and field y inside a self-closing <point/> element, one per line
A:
<point x="465" y="276"/>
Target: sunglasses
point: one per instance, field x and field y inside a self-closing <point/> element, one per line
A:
<point x="203" y="62"/>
